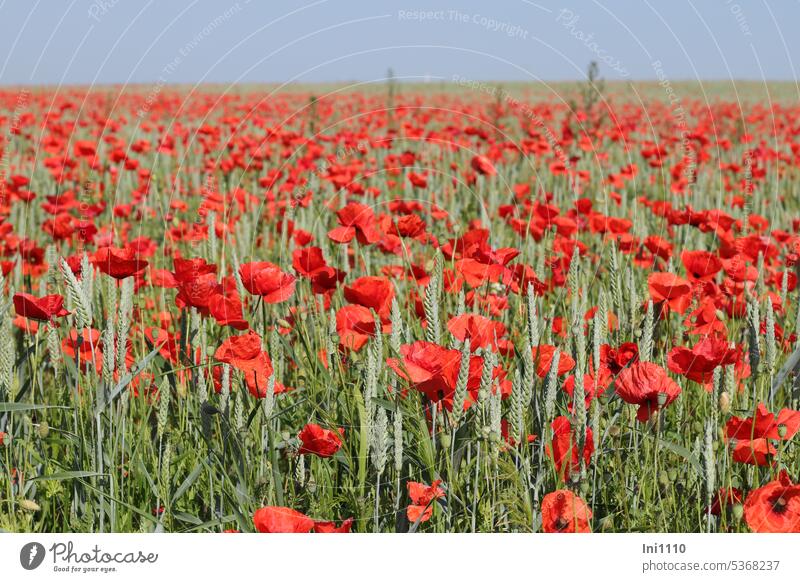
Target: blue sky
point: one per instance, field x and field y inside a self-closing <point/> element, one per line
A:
<point x="246" y="41"/>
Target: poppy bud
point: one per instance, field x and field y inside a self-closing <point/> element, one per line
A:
<point x="672" y="474"/>
<point x="284" y="324"/>
<point x="44" y="429"/>
<point x="663" y="478"/>
<point x="585" y="487"/>
<point x="614" y="431"/>
<point x="444" y="439"/>
<point x="738" y="511"/>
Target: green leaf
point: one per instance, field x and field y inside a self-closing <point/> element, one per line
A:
<point x="23" y="406"/>
<point x="791" y="363"/>
<point x="188" y="482"/>
<point x="682" y="451"/>
<point x="64" y="475"/>
<point x="122" y="384"/>
<point x="187" y="518"/>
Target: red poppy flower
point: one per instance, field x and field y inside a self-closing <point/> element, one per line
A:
<point x="119" y="263"/>
<point x="764" y="424"/>
<point x="433" y="370"/>
<point x="265" y="279"/>
<point x="648" y="386"/>
<point x="355" y="220"/>
<point x="698" y="363"/>
<point x="701" y="265"/>
<point x="751" y="436"/>
<point x="481" y="331"/>
<point x="482" y="165"/>
<point x="244" y="353"/>
<point x="594" y="385"/>
<point x="564" y="451"/>
<point x="422" y="497"/>
<point x="756" y="451"/>
<point x="45" y="308"/>
<point x="543" y="356"/>
<point x="87" y="349"/>
<point x="372" y="292"/>
<point x="671" y="290"/>
<point x="196" y="281"/>
<point x="477" y="261"/>
<point x="615" y="359"/>
<point x="705" y="320"/>
<point x="310" y="263"/>
<point x="775" y="507"/>
<point x="186" y="270"/>
<point x="275" y="519"/>
<point x="330" y="527"/>
<point x="355" y="325"/>
<point x="565" y="512"/>
<point x="320" y="441"/>
<point x="227" y="310"/>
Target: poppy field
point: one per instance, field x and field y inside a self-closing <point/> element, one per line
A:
<point x="399" y="308"/>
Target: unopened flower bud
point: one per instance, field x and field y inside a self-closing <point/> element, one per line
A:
<point x="738" y="511"/>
